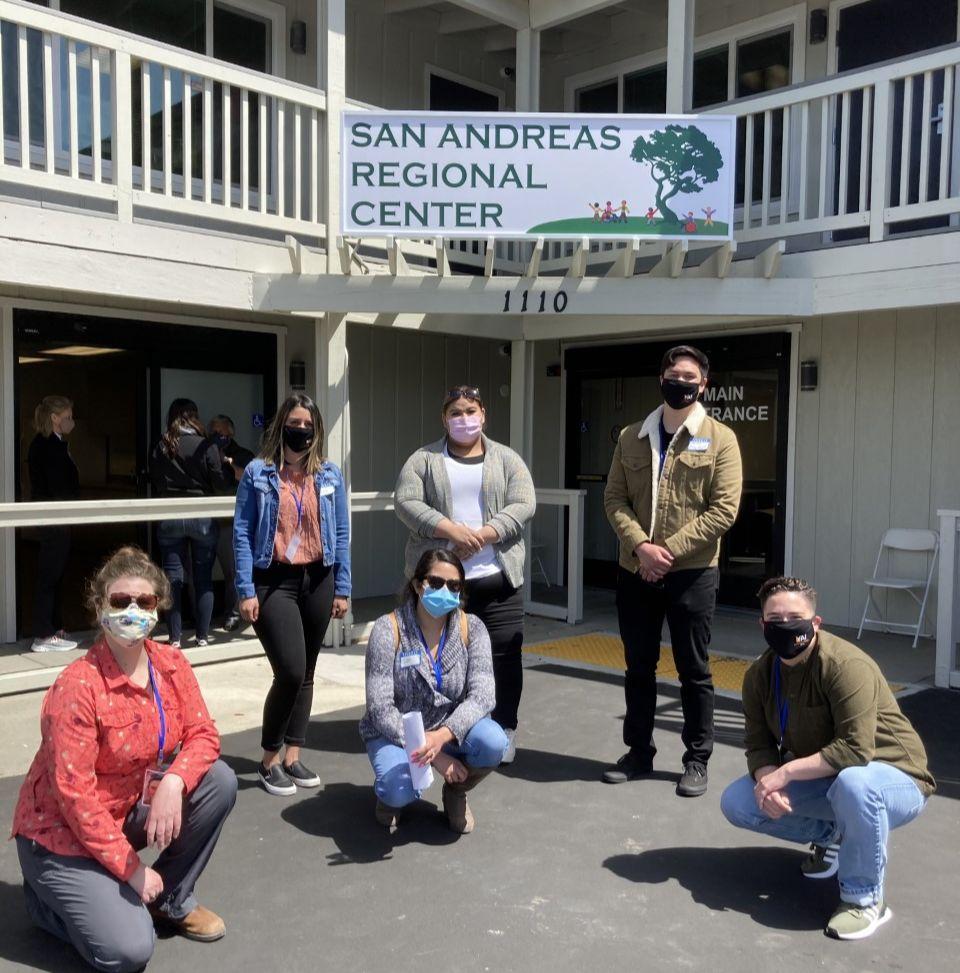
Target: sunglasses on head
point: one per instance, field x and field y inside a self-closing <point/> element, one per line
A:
<point x="463" y="392"/>
<point x="120" y="600"/>
<point x="436" y="582"/>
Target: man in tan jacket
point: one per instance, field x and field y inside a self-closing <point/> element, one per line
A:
<point x="672" y="493"/>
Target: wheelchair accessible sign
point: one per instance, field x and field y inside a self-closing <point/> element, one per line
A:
<point x="430" y="174"/>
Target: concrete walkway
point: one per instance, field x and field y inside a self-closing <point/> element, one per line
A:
<point x="563" y="873"/>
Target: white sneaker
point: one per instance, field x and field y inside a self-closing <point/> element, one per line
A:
<point x="509" y="755"/>
<point x="54" y="643"/>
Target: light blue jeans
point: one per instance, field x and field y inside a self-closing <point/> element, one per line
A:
<point x="483" y="746"/>
<point x="859" y="807"/>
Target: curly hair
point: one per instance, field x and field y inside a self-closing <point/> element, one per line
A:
<point x="775" y="586"/>
<point x="126" y="562"/>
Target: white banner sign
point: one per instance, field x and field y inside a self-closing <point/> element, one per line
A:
<point x="429" y="174"/>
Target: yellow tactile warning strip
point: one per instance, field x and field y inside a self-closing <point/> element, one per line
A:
<point x="607" y="650"/>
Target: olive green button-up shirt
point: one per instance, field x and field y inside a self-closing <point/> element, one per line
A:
<point x="839" y="705"/>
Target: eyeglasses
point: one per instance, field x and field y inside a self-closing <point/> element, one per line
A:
<point x="436" y="582"/>
<point x="463" y="392"/>
<point x="120" y="600"/>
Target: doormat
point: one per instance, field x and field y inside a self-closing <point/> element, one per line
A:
<point x="607" y="651"/>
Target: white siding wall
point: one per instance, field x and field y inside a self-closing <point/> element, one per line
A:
<point x="397" y="383"/>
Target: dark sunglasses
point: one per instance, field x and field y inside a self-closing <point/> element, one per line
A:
<point x="436" y="582"/>
<point x="120" y="599"/>
<point x="462" y="392"/>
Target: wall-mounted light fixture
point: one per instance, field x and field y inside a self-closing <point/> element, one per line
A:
<point x="818" y="25"/>
<point x="298" y="376"/>
<point x="298" y="37"/>
<point x="808" y="376"/>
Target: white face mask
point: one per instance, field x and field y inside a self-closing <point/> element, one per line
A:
<point x="130" y="624"/>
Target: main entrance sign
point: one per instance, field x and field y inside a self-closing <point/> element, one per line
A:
<point x="428" y="174"/>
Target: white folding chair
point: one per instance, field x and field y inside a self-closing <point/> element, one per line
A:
<point x="902" y="539"/>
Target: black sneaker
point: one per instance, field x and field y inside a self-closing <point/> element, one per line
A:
<point x="630" y="766"/>
<point x="300" y="775"/>
<point x="231" y="623"/>
<point x="275" y="781"/>
<point x="693" y="783"/>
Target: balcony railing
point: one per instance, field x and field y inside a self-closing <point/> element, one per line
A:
<point x="97" y="113"/>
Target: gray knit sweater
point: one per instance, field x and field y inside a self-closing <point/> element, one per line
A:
<point x="422" y="499"/>
<point x="467" y="693"/>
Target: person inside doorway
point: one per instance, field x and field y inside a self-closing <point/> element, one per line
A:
<point x="53" y="476"/>
<point x="476" y="496"/>
<point x="832" y="760"/>
<point x="291" y="538"/>
<point x="185" y="463"/>
<point x="431" y="657"/>
<point x="672" y="493"/>
<point x="128" y="759"/>
<point x="235" y="458"/>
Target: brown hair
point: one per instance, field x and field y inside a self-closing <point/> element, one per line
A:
<point x="685" y="351"/>
<point x="271" y="449"/>
<point x="49" y="406"/>
<point x="776" y="586"/>
<point x="126" y="562"/>
<point x="411" y="590"/>
<point x="182" y="412"/>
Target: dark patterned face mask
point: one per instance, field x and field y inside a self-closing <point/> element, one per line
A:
<point x="788" y="639"/>
<point x="678" y="395"/>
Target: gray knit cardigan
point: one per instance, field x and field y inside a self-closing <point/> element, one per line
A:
<point x="423" y="497"/>
<point x="467" y="691"/>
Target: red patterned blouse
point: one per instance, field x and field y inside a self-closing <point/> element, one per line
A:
<point x="99" y="732"/>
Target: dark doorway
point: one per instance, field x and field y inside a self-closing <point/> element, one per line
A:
<point x="121" y="375"/>
<point x="446" y="94"/>
<point x="611" y="386"/>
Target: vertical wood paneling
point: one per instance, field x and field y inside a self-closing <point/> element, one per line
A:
<point x="807" y="459"/>
<point x="838" y="380"/>
<point x="872" y="447"/>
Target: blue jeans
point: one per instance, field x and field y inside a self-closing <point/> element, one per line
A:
<point x="483" y="746"/>
<point x="859" y="807"/>
<point x="196" y="539"/>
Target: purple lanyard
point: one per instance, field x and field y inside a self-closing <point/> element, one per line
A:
<point x="163" y="719"/>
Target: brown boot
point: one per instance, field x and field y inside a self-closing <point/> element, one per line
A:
<point x="459" y="816"/>
<point x="388" y="817"/>
<point x="201" y="925"/>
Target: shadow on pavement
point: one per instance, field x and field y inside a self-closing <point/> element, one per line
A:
<point x="761" y="882"/>
<point x="542" y="766"/>
<point x="344" y="814"/>
<point x="935" y="713"/>
<point x="23" y="943"/>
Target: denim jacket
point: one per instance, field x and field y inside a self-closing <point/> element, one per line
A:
<point x="255" y="524"/>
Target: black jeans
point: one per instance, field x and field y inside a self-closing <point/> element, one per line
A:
<point x="295" y="604"/>
<point x="687" y="600"/>
<point x="500" y="607"/>
<point x="51" y="563"/>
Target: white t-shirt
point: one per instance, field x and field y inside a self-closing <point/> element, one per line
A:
<point x="466" y="490"/>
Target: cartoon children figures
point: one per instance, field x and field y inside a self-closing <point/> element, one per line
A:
<point x="691" y="224"/>
<point x="708" y="213"/>
<point x="651" y="213"/>
<point x="624" y="209"/>
<point x="608" y="213"/>
<point x="596" y="211"/>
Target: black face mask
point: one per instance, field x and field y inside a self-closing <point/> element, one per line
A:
<point x="788" y="639"/>
<point x="678" y="395"/>
<point x="297" y="440"/>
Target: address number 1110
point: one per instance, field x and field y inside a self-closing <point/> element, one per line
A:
<point x="534" y="302"/>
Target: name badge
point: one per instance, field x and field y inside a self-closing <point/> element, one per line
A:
<point x="151" y="781"/>
<point x="408" y="659"/>
<point x="698" y="445"/>
<point x="325" y="491"/>
<point x="291" y="552"/>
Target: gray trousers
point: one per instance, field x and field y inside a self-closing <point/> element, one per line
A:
<point x="228" y="567"/>
<point x="79" y="901"/>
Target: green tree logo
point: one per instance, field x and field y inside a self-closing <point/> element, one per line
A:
<point x="682" y="160"/>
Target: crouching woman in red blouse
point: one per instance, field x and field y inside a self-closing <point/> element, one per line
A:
<point x="128" y="759"/>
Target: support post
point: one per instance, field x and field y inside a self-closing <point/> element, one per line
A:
<point x="528" y="70"/>
<point x="8" y="572"/>
<point x="122" y="138"/>
<point x="331" y="77"/>
<point x="680" y="28"/>
<point x="881" y="158"/>
<point x="521" y="398"/>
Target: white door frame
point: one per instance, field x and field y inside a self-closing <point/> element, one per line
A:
<point x="489" y="89"/>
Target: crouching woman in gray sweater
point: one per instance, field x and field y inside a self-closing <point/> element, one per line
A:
<point x="430" y="656"/>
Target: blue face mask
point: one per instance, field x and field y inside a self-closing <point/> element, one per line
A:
<point x="439" y="601"/>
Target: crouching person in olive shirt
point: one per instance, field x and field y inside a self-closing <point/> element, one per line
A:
<point x="833" y="761"/>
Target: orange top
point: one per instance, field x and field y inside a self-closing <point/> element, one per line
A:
<point x="298" y="490"/>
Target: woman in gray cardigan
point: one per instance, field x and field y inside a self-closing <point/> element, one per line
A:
<point x="475" y="496"/>
<point x="431" y="657"/>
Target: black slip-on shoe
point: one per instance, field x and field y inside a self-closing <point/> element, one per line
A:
<point x="275" y="781"/>
<point x="300" y="775"/>
<point x="629" y="767"/>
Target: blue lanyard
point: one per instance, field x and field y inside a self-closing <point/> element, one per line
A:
<point x="163" y="719"/>
<point x="783" y="705"/>
<point x="297" y="502"/>
<point x="435" y="662"/>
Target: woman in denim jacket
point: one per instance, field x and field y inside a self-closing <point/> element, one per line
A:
<point x="291" y="539"/>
